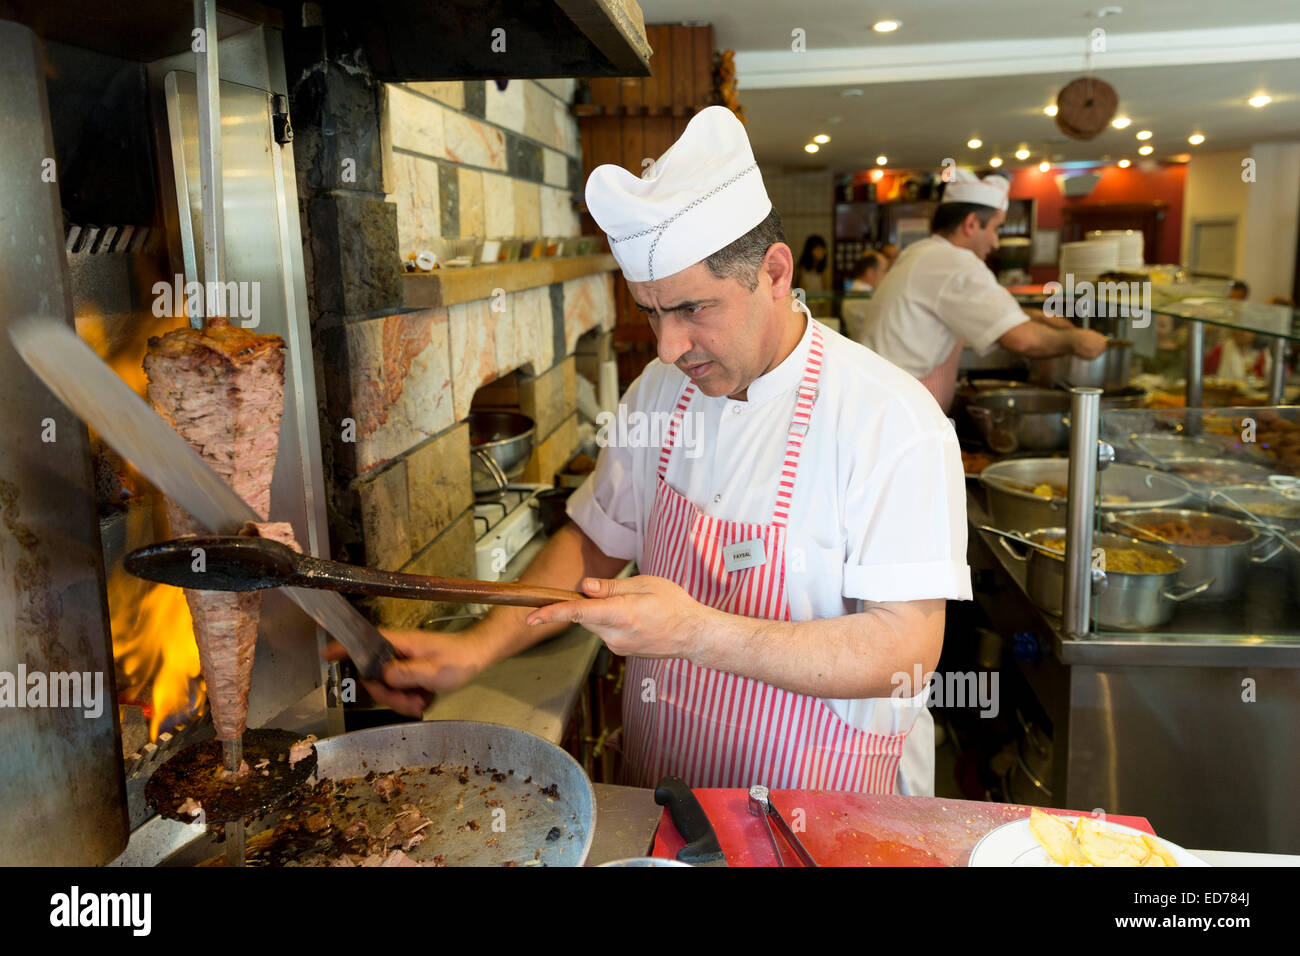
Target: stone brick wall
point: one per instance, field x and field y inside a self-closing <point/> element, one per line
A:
<point x="381" y="170"/>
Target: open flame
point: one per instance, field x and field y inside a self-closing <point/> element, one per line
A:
<point x="153" y="650"/>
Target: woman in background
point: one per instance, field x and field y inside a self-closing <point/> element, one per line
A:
<point x="811" y="275"/>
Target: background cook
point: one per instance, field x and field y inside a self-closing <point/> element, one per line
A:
<point x="796" y="564"/>
<point x="940" y="295"/>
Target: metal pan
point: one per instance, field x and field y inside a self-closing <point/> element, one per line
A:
<point x="1013" y="505"/>
<point x="500" y="445"/>
<point x="549" y="804"/>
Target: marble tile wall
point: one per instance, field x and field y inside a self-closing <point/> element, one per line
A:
<point x="470" y="160"/>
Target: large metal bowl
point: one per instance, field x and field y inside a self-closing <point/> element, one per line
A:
<point x="1150" y="447"/>
<point x="1013" y="505"/>
<point x="1109" y="370"/>
<point x="1021" y="419"/>
<point x="500" y="445"/>
<point x="1264" y="502"/>
<point x="1211" y="473"/>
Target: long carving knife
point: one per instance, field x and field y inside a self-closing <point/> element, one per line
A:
<point x="96" y="395"/>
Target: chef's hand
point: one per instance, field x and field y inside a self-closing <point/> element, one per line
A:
<point x="432" y="661"/>
<point x="642" y="616"/>
<point x="1087" y="343"/>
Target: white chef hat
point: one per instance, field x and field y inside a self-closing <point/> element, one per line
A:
<point x="965" y="186"/>
<point x="702" y="194"/>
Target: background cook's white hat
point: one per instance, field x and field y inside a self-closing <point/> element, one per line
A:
<point x="702" y="194"/>
<point x="967" y="187"/>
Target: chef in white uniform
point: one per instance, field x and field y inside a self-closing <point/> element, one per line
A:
<point x="940" y="296"/>
<point x="798" y="527"/>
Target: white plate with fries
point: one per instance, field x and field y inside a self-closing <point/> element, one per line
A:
<point x="1045" y="839"/>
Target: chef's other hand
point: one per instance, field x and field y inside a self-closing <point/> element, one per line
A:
<point x="641" y="616"/>
<point x="1088" y="344"/>
<point x="432" y="661"/>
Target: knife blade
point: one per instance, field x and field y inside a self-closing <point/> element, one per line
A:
<point x="702" y="847"/>
<point x="94" y="393"/>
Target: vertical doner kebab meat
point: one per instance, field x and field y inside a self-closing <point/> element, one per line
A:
<point x="222" y="389"/>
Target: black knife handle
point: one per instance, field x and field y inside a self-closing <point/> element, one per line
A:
<point x="690" y="820"/>
<point x="374" y="669"/>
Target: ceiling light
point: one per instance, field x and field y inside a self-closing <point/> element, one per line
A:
<point x="821" y="138"/>
<point x="811" y="148"/>
<point x="1263" y="99"/>
<point x="848" y="94"/>
<point x="974" y="143"/>
<point x="886" y="26"/>
<point x="1183" y="158"/>
<point x="1022" y="153"/>
<point x="1121" y="122"/>
<point x="1146" y="150"/>
<point x="1144" y="134"/>
<point x="1050" y="110"/>
<point x="1196" y="139"/>
<point x="1123" y="164"/>
<point x="876" y="175"/>
<point x="995" y="162"/>
<point x="1044" y="166"/>
<point x="881" y="160"/>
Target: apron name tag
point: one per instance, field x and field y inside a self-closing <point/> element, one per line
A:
<point x="743" y="554"/>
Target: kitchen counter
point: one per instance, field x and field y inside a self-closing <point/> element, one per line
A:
<point x="536" y="690"/>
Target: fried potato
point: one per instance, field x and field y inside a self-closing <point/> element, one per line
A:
<point x="1091" y="843"/>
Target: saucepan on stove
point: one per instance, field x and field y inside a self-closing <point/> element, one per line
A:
<point x="500" y="445"/>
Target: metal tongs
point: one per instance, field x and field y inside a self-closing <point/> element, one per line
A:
<point x="760" y="804"/>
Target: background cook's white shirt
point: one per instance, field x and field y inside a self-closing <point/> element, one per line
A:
<point x="936" y="295"/>
<point x="878" y="511"/>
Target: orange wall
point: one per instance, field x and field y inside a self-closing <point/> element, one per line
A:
<point x="1162" y="183"/>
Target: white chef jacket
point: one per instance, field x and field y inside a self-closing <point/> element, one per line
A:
<point x="878" y="511"/>
<point x="935" y="296"/>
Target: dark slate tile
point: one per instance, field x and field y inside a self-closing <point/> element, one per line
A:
<point x="557" y="319"/>
<point x="476" y="98"/>
<point x="449" y="198"/>
<point x="523" y="158"/>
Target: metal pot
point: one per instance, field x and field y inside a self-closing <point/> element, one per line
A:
<point x="1110" y="369"/>
<point x="1021" y="419"/>
<point x="1265" y="503"/>
<point x="1125" y="601"/>
<point x="1153" y="447"/>
<point x="1130" y="396"/>
<point x="1225" y="565"/>
<point x="1225" y="472"/>
<point x="500" y="445"/>
<point x="1013" y="505"/>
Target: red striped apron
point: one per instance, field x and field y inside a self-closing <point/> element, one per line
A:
<point x="715" y="729"/>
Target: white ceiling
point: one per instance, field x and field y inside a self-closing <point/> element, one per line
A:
<point x="957" y="70"/>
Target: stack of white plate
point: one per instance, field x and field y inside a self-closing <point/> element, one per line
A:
<point x="1088" y="260"/>
<point x="1130" y="245"/>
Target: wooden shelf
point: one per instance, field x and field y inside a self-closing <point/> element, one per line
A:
<point x="442" y="287"/>
<point x="598" y="109"/>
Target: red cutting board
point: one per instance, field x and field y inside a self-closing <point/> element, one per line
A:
<point x="856" y="829"/>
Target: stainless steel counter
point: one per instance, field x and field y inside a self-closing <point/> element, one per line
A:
<point x="1192" y="733"/>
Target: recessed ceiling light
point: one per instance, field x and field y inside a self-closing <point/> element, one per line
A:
<point x="811" y="148"/>
<point x="886" y="26"/>
<point x="1044" y="166"/>
<point x="849" y="94"/>
<point x="1022" y="153"/>
<point x="1123" y="164"/>
<point x="1144" y="134"/>
<point x="1050" y="110"/>
<point x="1121" y="122"/>
<point x="876" y="175"/>
<point x="974" y="143"/>
<point x="1263" y="99"/>
<point x="1146" y="150"/>
<point x="882" y="159"/>
<point x="821" y="138"/>
<point x="995" y="162"/>
<point x="1196" y="139"/>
